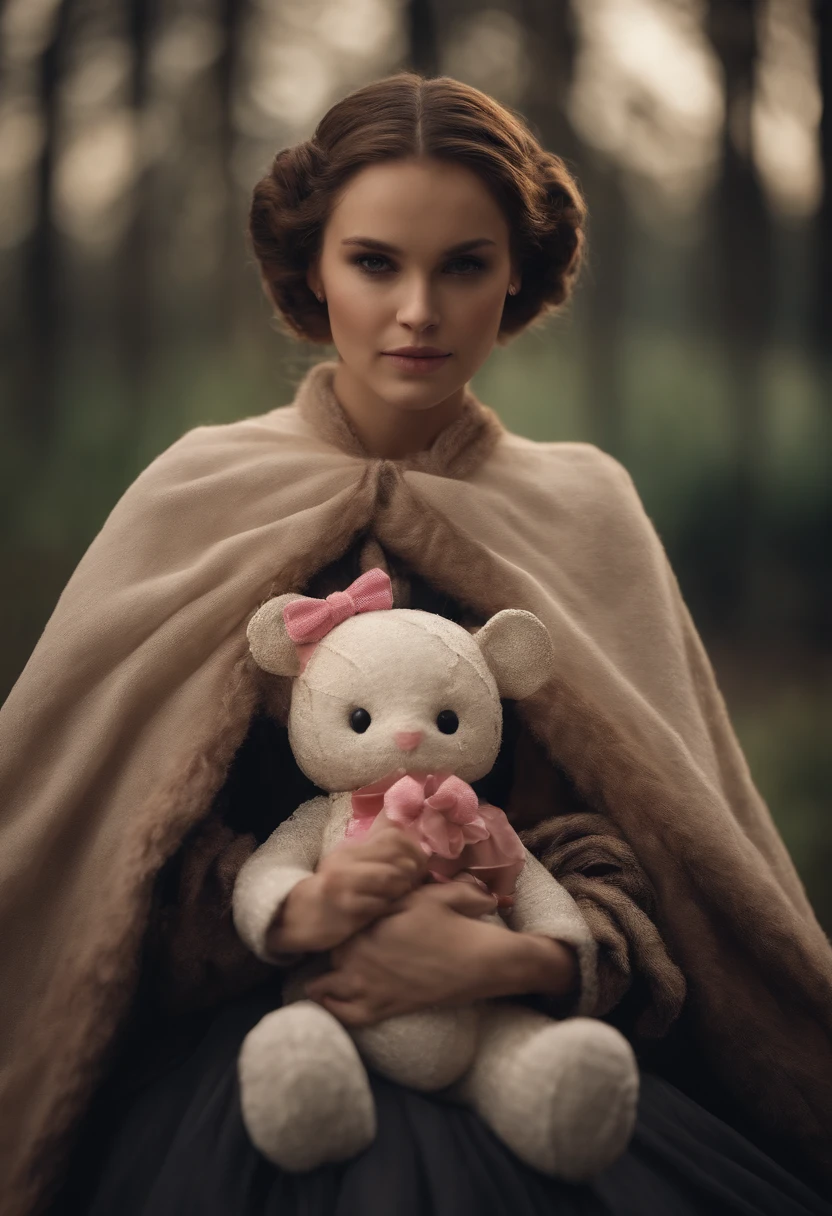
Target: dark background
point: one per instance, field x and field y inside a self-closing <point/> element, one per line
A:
<point x="697" y="349"/>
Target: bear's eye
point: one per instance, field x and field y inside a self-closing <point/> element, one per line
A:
<point x="360" y="720"/>
<point x="447" y="721"/>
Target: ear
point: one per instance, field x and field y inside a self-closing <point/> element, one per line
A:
<point x="313" y="276"/>
<point x="270" y="644"/>
<point x="516" y="276"/>
<point x="518" y="650"/>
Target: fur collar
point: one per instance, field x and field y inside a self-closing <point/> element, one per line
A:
<point x="455" y="452"/>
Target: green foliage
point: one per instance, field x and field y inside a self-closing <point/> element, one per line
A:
<point x="786" y="739"/>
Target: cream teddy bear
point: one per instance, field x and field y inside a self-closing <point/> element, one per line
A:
<point x="395" y="711"/>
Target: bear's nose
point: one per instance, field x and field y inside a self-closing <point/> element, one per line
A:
<point x="407" y="740"/>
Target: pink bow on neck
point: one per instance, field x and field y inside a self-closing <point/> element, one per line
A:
<point x="445" y="808"/>
<point x="443" y="814"/>
<point x="310" y="619"/>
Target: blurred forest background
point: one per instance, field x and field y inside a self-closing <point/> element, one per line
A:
<point x="697" y="349"/>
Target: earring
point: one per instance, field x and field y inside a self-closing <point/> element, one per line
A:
<point x="512" y="290"/>
<point x="320" y="296"/>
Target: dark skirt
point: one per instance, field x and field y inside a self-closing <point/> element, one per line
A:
<point x="166" y="1139"/>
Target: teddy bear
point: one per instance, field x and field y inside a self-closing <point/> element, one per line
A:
<point x="395" y="712"/>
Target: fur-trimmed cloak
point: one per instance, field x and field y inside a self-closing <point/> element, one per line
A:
<point x="122" y="726"/>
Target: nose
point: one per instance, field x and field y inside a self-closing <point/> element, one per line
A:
<point x="407" y="740"/>
<point x="417" y="310"/>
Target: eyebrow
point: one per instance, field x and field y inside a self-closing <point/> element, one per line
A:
<point x="369" y="242"/>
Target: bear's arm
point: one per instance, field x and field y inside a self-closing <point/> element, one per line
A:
<point x="289" y="855"/>
<point x="542" y="905"/>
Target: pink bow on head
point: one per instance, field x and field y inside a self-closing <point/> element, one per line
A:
<point x="309" y="619"/>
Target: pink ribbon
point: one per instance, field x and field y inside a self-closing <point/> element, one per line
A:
<point x="309" y="619"/>
<point x="443" y="814"/>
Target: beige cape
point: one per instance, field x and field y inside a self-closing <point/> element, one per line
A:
<point x="122" y="725"/>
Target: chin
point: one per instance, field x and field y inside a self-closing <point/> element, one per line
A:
<point x="411" y="400"/>
<point x="407" y="394"/>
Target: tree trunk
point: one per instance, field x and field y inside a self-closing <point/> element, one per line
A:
<point x="133" y="285"/>
<point x="420" y="20"/>
<point x="38" y="373"/>
<point x="823" y="290"/>
<point x="229" y="306"/>
<point x="551" y="47"/>
<point x="609" y="239"/>
<point x="744" y="289"/>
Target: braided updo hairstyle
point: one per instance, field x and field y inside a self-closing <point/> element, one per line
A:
<point x="403" y="116"/>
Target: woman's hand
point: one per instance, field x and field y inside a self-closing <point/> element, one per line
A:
<point x="432" y="951"/>
<point x="351" y="887"/>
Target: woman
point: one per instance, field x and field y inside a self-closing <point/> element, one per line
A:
<point x="147" y="757"/>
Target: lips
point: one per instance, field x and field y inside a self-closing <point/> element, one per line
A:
<point x="425" y="360"/>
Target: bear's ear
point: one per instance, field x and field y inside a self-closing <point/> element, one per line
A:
<point x="270" y="644"/>
<point x="518" y="650"/>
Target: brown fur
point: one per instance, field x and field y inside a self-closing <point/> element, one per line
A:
<point x="456" y="452"/>
<point x="728" y="904"/>
<point x="719" y="918"/>
<point x="89" y="997"/>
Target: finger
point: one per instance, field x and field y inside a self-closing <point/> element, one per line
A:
<point x="462" y="897"/>
<point x="381" y="878"/>
<point x="394" y="846"/>
<point x="459" y="897"/>
<point x="350" y="888"/>
<point x="335" y="985"/>
<point x="398" y="905"/>
<point x="360" y="907"/>
<point x="360" y="912"/>
<point x="351" y="1013"/>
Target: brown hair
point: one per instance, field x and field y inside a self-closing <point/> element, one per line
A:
<point x="403" y="116"/>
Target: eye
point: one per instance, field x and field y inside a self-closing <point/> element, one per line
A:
<point x="468" y="266"/>
<point x="447" y="721"/>
<point x="381" y="263"/>
<point x="360" y="720"/>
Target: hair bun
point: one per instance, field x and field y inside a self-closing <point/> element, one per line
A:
<point x="295" y="170"/>
<point x="560" y="230"/>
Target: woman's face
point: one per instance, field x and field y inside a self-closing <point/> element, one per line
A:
<point x="414" y="254"/>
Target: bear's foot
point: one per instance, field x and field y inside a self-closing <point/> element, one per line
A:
<point x="561" y="1095"/>
<point x="304" y="1091"/>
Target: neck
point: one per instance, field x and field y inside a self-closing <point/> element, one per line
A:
<point x="386" y="430"/>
